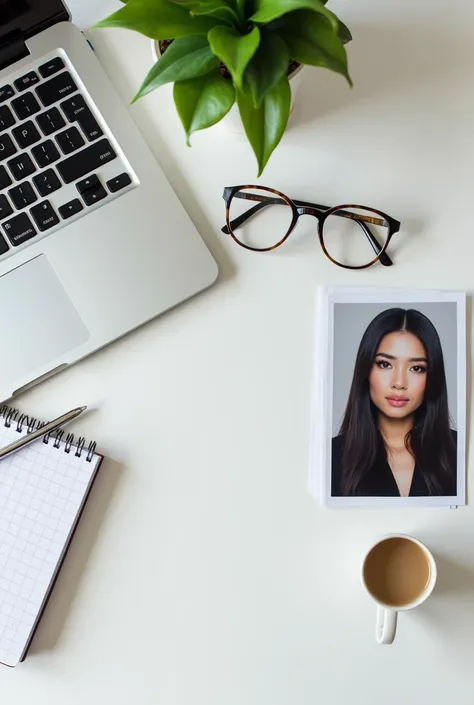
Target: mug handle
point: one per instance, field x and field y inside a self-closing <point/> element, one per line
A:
<point x="386" y="625"/>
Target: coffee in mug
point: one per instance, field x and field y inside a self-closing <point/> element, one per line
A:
<point x="399" y="573"/>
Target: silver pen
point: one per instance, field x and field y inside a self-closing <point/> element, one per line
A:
<point x="42" y="431"/>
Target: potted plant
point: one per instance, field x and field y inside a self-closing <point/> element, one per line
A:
<point x="217" y="52"/>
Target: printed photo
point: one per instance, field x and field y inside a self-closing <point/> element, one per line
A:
<point x="397" y="399"/>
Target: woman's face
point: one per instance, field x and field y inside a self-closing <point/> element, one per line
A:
<point x="397" y="380"/>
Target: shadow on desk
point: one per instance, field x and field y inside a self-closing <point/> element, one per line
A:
<point x="445" y="616"/>
<point x="454" y="578"/>
<point x="82" y="545"/>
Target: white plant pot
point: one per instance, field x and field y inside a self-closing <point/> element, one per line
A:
<point x="232" y="120"/>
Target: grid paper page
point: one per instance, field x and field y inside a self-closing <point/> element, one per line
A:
<point x="42" y="491"/>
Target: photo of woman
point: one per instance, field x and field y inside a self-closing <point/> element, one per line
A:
<point x="396" y="438"/>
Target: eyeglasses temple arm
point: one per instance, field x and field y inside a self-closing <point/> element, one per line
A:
<point x="237" y="222"/>
<point x="384" y="258"/>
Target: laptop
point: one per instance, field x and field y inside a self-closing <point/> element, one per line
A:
<point x="93" y="240"/>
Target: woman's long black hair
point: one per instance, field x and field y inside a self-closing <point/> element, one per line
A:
<point x="430" y="441"/>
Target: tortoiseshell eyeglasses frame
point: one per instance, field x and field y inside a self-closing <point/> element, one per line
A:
<point x="318" y="211"/>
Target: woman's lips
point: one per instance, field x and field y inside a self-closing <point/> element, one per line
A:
<point x="397" y="401"/>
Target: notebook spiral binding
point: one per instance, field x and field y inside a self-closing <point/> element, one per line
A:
<point x="13" y="417"/>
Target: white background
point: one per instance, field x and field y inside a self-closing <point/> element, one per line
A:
<point x="203" y="571"/>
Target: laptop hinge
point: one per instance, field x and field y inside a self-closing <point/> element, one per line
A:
<point x="13" y="48"/>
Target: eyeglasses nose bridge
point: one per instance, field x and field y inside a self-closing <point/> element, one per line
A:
<point x="307" y="210"/>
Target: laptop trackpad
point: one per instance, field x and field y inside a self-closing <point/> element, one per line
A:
<point x="38" y="321"/>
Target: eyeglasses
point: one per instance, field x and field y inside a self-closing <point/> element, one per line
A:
<point x="349" y="234"/>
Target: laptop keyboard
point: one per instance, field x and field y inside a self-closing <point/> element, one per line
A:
<point x="58" y="160"/>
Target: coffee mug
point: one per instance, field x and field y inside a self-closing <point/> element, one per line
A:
<point x="399" y="573"/>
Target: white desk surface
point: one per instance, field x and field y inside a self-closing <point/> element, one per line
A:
<point x="202" y="571"/>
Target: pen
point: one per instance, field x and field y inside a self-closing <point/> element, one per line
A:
<point x="42" y="431"/>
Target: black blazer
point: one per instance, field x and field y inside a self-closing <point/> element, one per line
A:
<point x="380" y="482"/>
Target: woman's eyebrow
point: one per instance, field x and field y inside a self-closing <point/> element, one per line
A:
<point x="393" y="357"/>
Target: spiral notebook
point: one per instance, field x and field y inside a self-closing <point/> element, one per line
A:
<point x="43" y="490"/>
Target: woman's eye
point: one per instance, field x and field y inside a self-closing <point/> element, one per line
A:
<point x="419" y="369"/>
<point x="383" y="364"/>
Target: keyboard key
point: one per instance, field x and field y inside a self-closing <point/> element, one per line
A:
<point x="7" y="148"/>
<point x="3" y="245"/>
<point x="5" y="179"/>
<point x="50" y="121"/>
<point x="91" y="190"/>
<point x="25" y="106"/>
<point x="19" y="229"/>
<point x="70" y="140"/>
<point x="21" y="166"/>
<point x="73" y="107"/>
<point x="119" y="182"/>
<point x="76" y="109"/>
<point x="87" y="160"/>
<point x="6" y="92"/>
<point x="45" y="153"/>
<point x="29" y="79"/>
<point x="6" y="117"/>
<point x="22" y="195"/>
<point x="51" y="66"/>
<point x="46" y="182"/>
<point x="5" y="208"/>
<point x="94" y="195"/>
<point x="56" y="88"/>
<point x="44" y="216"/>
<point x="26" y="134"/>
<point x="71" y="208"/>
<point x="90" y="183"/>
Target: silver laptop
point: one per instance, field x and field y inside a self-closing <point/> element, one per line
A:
<point x="93" y="240"/>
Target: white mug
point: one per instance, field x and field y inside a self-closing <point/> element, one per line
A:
<point x="387" y="614"/>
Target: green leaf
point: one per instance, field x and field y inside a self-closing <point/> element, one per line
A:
<point x="158" y="19"/>
<point x="268" y="10"/>
<point x="264" y="125"/>
<point x="188" y="4"/>
<point x="233" y="49"/>
<point x="216" y="8"/>
<point x="311" y="40"/>
<point x="344" y="33"/>
<point x="188" y="57"/>
<point x="241" y="8"/>
<point x="269" y="64"/>
<point x="201" y="102"/>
